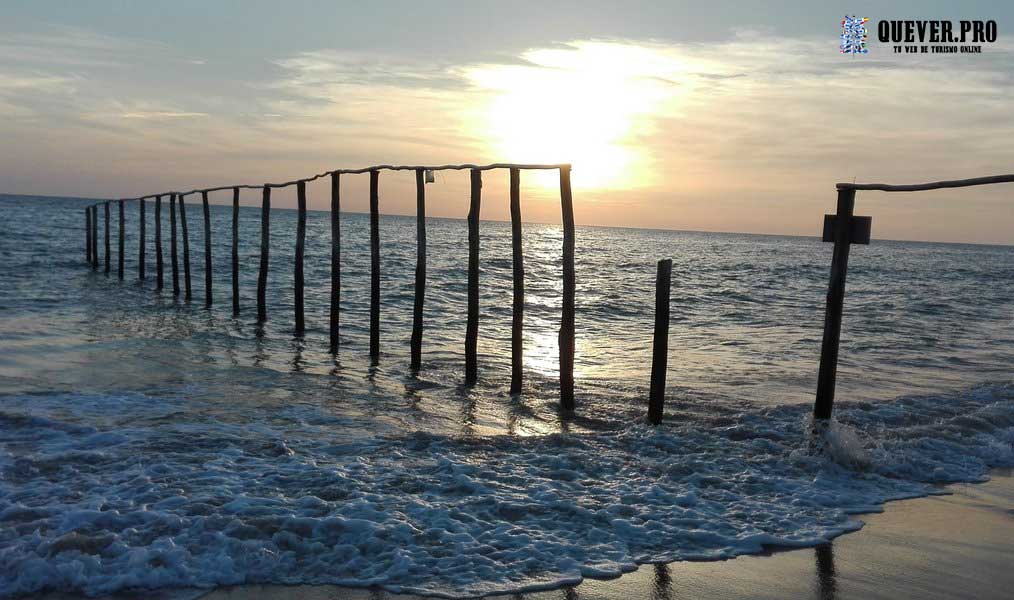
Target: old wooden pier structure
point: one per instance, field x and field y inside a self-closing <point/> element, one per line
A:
<point x="842" y="229"/>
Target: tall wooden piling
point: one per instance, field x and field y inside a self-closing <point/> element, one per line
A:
<point x="88" y="235"/>
<point x="159" y="274"/>
<point x="336" y="276"/>
<point x="420" y="270"/>
<point x="95" y="237"/>
<point x="297" y="275"/>
<point x="262" y="274"/>
<point x="566" y="338"/>
<point x="186" y="248"/>
<point x="141" y="239"/>
<point x="207" y="250"/>
<point x="472" y="324"/>
<point x="519" y="282"/>
<point x="842" y="236"/>
<point x="105" y="208"/>
<point x="374" y="265"/>
<point x="660" y="343"/>
<point x="173" y="257"/>
<point x="121" y="234"/>
<point x="235" y="251"/>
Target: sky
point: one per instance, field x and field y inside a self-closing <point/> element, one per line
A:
<point x="716" y="116"/>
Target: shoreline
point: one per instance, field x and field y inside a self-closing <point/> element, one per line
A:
<point x="957" y="544"/>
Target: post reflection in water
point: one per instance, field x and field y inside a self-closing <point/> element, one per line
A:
<point x="826" y="587"/>
<point x="662" y="588"/>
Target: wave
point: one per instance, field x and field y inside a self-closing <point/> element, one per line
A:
<point x="165" y="502"/>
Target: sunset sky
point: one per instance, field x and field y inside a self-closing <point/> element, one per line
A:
<point x="690" y="115"/>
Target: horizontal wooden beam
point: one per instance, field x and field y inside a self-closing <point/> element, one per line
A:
<point x="935" y="185"/>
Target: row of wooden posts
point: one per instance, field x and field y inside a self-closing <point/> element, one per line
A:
<point x="842" y="229"/>
<point x="177" y="203"/>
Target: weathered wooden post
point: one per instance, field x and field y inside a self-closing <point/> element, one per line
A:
<point x="141" y="239"/>
<point x="660" y="343"/>
<point x="336" y="276"/>
<point x="374" y="265"/>
<point x="159" y="270"/>
<point x="186" y="248"/>
<point x="420" y="270"/>
<point x="519" y="282"/>
<point x="262" y="274"/>
<point x="207" y="250"/>
<point x="843" y="229"/>
<point x="95" y="237"/>
<point x="472" y="325"/>
<point x="297" y="275"/>
<point x="105" y="208"/>
<point x="173" y="258"/>
<point x="235" y="251"/>
<point x="122" y="237"/>
<point x="566" y="339"/>
<point x="88" y="235"/>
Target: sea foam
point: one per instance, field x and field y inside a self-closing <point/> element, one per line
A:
<point x="97" y="505"/>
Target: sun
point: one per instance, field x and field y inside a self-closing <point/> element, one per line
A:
<point x="591" y="104"/>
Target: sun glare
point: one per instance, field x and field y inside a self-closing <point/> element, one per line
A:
<point x="588" y="103"/>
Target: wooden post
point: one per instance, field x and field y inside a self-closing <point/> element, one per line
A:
<point x="824" y="403"/>
<point x="660" y="344"/>
<point x="472" y="326"/>
<point x="122" y="237"/>
<point x="105" y="207"/>
<point x="186" y="248"/>
<point x="519" y="281"/>
<point x="262" y="275"/>
<point x="95" y="237"/>
<point x="159" y="274"/>
<point x="235" y="251"/>
<point x="566" y="339"/>
<point x="336" y="275"/>
<point x="174" y="259"/>
<point x="207" y="250"/>
<point x="141" y="239"/>
<point x="374" y="265"/>
<point x="298" y="268"/>
<point x="420" y="270"/>
<point x="88" y="235"/>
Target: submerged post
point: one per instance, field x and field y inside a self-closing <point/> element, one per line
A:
<point x="336" y="277"/>
<point x="566" y="339"/>
<point x="105" y="206"/>
<point x="519" y="281"/>
<point x="472" y="326"/>
<point x="843" y="229"/>
<point x="374" y="265"/>
<point x="95" y="237"/>
<point x="158" y="244"/>
<point x="207" y="250"/>
<point x="235" y="251"/>
<point x="420" y="270"/>
<point x="121" y="236"/>
<point x="141" y="241"/>
<point x="262" y="274"/>
<point x="186" y="248"/>
<point x="88" y="235"/>
<point x="660" y="343"/>
<point x="172" y="248"/>
<point x="298" y="269"/>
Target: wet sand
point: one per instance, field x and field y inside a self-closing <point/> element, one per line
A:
<point x="959" y="545"/>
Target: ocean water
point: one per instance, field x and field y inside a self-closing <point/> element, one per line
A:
<point x="149" y="442"/>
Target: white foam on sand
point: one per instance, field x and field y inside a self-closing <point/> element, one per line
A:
<point x="94" y="499"/>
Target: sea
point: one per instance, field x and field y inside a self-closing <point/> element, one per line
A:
<point x="150" y="442"/>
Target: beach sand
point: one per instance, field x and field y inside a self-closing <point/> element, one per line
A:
<point x="959" y="545"/>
